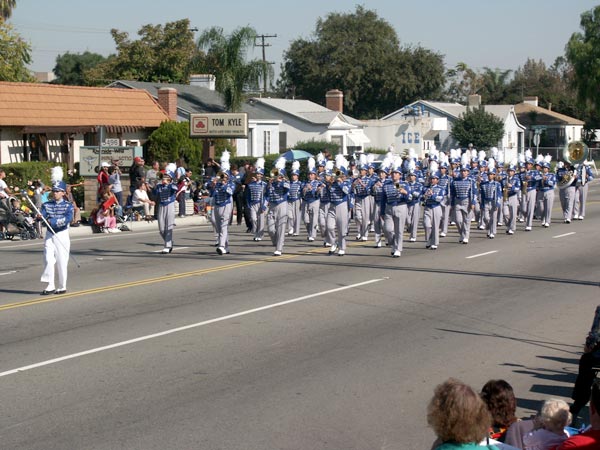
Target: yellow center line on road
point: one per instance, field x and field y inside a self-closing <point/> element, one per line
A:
<point x="174" y="276"/>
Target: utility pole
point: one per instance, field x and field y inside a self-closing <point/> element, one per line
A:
<point x="263" y="44"/>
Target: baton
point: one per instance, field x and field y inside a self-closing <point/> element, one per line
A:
<point x="52" y="230"/>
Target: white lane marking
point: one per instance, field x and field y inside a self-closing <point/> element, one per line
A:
<point x="563" y="235"/>
<point x="8" y="273"/>
<point x="174" y="248"/>
<point x="482" y="254"/>
<point x="184" y="328"/>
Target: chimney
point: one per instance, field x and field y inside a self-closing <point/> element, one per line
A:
<point x="531" y="100"/>
<point x="205" y="80"/>
<point x="474" y="101"/>
<point x="167" y="99"/>
<point x="334" y="100"/>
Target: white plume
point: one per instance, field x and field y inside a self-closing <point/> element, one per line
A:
<point x="341" y="161"/>
<point x="492" y="163"/>
<point x="521" y="158"/>
<point x="171" y="167"/>
<point x="225" y="157"/>
<point x="57" y="174"/>
<point x="320" y="157"/>
<point x="539" y="158"/>
<point x="311" y="164"/>
<point x="481" y="155"/>
<point x="499" y="157"/>
<point x="260" y="163"/>
<point x="465" y="159"/>
<point x="370" y="158"/>
<point x="411" y="153"/>
<point x="329" y="166"/>
<point x="548" y="158"/>
<point x="412" y="165"/>
<point x="528" y="154"/>
<point x="296" y="165"/>
<point x="494" y="152"/>
<point x="280" y="163"/>
<point x="433" y="167"/>
<point x="473" y="153"/>
<point x="362" y="160"/>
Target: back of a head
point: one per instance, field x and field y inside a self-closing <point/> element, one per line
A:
<point x="501" y="402"/>
<point x="555" y="415"/>
<point x="457" y="413"/>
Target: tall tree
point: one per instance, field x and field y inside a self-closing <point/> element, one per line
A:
<point x="360" y="54"/>
<point x="583" y="52"/>
<point x="70" y="67"/>
<point x="494" y="86"/>
<point x="162" y="54"/>
<point x="6" y="7"/>
<point x="16" y="54"/>
<point x="462" y="82"/>
<point x="226" y="59"/>
<point x="478" y="127"/>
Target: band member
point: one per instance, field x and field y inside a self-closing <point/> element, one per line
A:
<point x="294" y="200"/>
<point x="444" y="182"/>
<point x="255" y="200"/>
<point x="311" y="201"/>
<point x="324" y="200"/>
<point x="58" y="214"/>
<point x="491" y="195"/>
<point x="547" y="184"/>
<point x="463" y="199"/>
<point x="529" y="186"/>
<point x="337" y="216"/>
<point x="432" y="215"/>
<point x="567" y="191"/>
<point x="377" y="193"/>
<point x="361" y="187"/>
<point x="222" y="195"/>
<point x="511" y="187"/>
<point x="414" y="202"/>
<point x="394" y="209"/>
<point x="165" y="193"/>
<point x="276" y="196"/>
<point x="584" y="175"/>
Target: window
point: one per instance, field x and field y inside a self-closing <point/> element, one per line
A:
<point x="267" y="142"/>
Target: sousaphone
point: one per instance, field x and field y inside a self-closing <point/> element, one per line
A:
<point x="575" y="152"/>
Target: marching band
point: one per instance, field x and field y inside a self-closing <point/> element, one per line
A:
<point x="401" y="194"/>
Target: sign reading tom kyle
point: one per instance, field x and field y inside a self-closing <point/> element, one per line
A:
<point x="219" y="125"/>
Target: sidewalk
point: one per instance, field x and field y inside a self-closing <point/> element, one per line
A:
<point x="142" y="225"/>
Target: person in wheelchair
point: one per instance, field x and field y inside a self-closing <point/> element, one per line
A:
<point x="140" y="201"/>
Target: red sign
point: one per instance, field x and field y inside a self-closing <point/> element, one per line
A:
<point x="200" y="124"/>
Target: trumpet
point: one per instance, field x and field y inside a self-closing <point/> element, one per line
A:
<point x="222" y="175"/>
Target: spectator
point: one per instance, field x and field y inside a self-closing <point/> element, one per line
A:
<point x="553" y="418"/>
<point x="136" y="173"/>
<point x="589" y="439"/>
<point x="499" y="397"/>
<point x="102" y="178"/>
<point x="152" y="175"/>
<point x="459" y="417"/>
<point x="114" y="179"/>
<point x="140" y="200"/>
<point x="105" y="215"/>
<point x="71" y="199"/>
<point x="183" y="186"/>
<point x="586" y="374"/>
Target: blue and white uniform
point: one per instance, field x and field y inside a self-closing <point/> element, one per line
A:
<point x="165" y="195"/>
<point x="294" y="211"/>
<point x="463" y="200"/>
<point x="277" y="216"/>
<point x="223" y="209"/>
<point x="337" y="215"/>
<point x="394" y="208"/>
<point x="432" y="214"/>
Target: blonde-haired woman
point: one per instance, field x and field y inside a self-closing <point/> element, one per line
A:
<point x="553" y="418"/>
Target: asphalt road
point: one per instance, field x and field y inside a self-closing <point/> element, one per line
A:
<point x="306" y="351"/>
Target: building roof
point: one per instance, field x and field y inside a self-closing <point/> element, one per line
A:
<point x="37" y="107"/>
<point x="529" y="114"/>
<point x="306" y="110"/>
<point x="455" y="110"/>
<point x="191" y="99"/>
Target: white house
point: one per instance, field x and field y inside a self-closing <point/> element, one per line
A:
<point x="303" y="120"/>
<point x="424" y="124"/>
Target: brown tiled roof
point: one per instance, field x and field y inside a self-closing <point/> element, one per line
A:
<point x="37" y="105"/>
<point x="529" y="114"/>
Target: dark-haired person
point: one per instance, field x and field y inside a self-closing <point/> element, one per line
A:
<point x="499" y="397"/>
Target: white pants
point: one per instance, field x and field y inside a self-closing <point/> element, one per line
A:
<point x="56" y="253"/>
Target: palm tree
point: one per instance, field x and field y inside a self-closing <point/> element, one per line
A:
<point x="6" y="7"/>
<point x="495" y="85"/>
<point x="226" y="59"/>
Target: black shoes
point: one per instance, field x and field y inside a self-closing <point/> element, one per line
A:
<point x="45" y="292"/>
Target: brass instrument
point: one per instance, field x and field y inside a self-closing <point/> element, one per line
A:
<point x="505" y="189"/>
<point x="524" y="185"/>
<point x="566" y="180"/>
<point x="222" y="175"/>
<point x="576" y="152"/>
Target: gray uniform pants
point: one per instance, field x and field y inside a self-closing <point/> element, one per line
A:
<point x="394" y="223"/>
<point x="547" y="204"/>
<point x="462" y="211"/>
<point x="489" y="211"/>
<point x="257" y="219"/>
<point x="414" y="212"/>
<point x="580" y="200"/>
<point x="511" y="209"/>
<point x="362" y="211"/>
<point x="337" y="224"/>
<point x="323" y="210"/>
<point x="277" y="218"/>
<point x="530" y="202"/>
<point x="431" y="222"/>
<point x="222" y="217"/>
<point x="294" y="217"/>
<point x="166" y="222"/>
<point x="445" y="214"/>
<point x="311" y="217"/>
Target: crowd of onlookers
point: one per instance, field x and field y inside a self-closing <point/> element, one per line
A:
<point x="465" y="419"/>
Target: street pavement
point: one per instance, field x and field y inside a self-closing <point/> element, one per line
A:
<point x="193" y="350"/>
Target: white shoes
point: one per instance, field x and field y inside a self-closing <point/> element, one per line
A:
<point x="510" y="232"/>
<point x="276" y="253"/>
<point x="310" y="239"/>
<point x="412" y="240"/>
<point x="364" y="239"/>
<point x="465" y="241"/>
<point x="341" y="253"/>
<point x="442" y="234"/>
<point x="491" y="236"/>
<point x="333" y="248"/>
<point x="396" y="254"/>
<point x="527" y="228"/>
<point x="434" y="247"/>
<point x="546" y="225"/>
<point x="221" y="250"/>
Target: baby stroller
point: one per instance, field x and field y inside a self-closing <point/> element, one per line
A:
<point x="16" y="223"/>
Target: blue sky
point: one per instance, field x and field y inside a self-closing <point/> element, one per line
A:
<point x="481" y="33"/>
